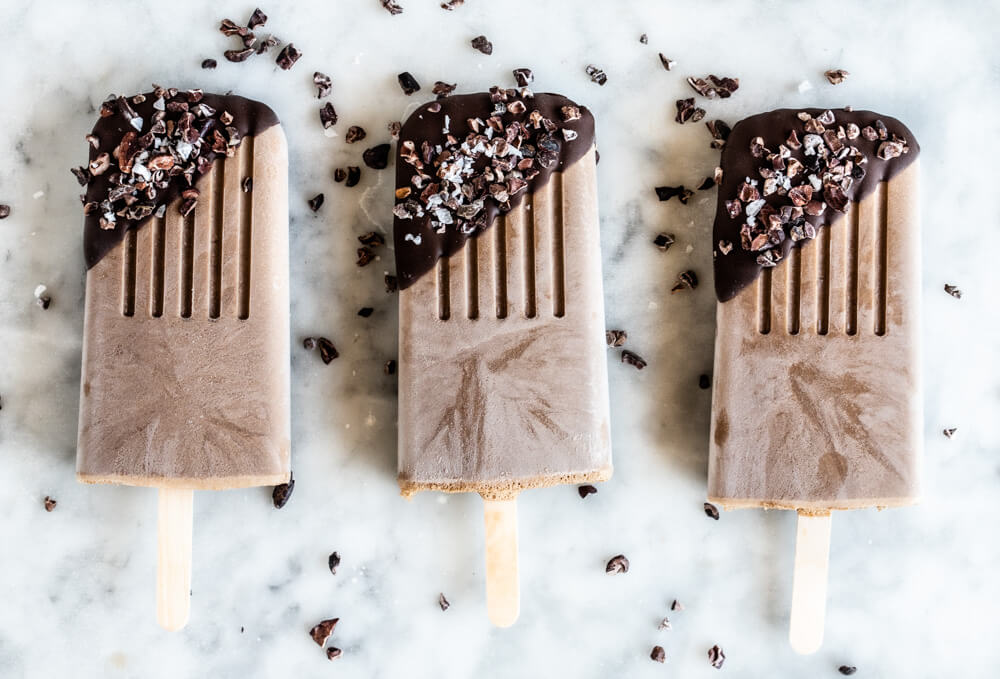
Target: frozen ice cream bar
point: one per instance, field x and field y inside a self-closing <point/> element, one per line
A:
<point x="503" y="376"/>
<point x="185" y="377"/>
<point x="817" y="391"/>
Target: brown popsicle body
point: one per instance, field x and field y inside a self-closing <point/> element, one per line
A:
<point x="503" y="373"/>
<point x="817" y="401"/>
<point x="185" y="379"/>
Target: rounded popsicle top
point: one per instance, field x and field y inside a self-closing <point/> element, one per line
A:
<point x="150" y="148"/>
<point x="465" y="159"/>
<point x="788" y="172"/>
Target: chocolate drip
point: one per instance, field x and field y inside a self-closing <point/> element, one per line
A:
<point x="249" y="117"/>
<point x="737" y="269"/>
<point x="418" y="246"/>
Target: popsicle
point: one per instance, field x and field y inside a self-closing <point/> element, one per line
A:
<point x="502" y="370"/>
<point x="817" y="390"/>
<point x="185" y="378"/>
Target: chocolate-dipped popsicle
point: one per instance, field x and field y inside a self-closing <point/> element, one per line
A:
<point x="185" y="379"/>
<point x="817" y="399"/>
<point x="503" y="376"/>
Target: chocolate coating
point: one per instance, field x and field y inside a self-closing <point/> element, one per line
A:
<point x="249" y="117"/>
<point x="739" y="268"/>
<point x="415" y="259"/>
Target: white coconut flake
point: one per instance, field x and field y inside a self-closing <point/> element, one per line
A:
<point x="136" y="123"/>
<point x="413" y="239"/>
<point x="40" y="290"/>
<point x="804" y="86"/>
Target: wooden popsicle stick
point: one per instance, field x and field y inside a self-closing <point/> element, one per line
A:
<point x="812" y="558"/>
<point x="173" y="570"/>
<point x="503" y="598"/>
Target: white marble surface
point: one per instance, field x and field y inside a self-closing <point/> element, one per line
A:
<point x="913" y="593"/>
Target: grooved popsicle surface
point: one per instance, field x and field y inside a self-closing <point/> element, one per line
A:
<point x="509" y="391"/>
<point x="826" y="412"/>
<point x="196" y="397"/>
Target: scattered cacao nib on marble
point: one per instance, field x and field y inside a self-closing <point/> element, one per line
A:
<point x="333" y="561"/>
<point x="658" y="654"/>
<point x="442" y="90"/>
<point x="328" y="115"/>
<point x="209" y="63"/>
<point x="322" y="631"/>
<point x="327" y="352"/>
<point x="713" y="86"/>
<point x="247" y="184"/>
<point x="836" y="76"/>
<point x="668" y="192"/>
<point x="667" y="63"/>
<point x="316" y="202"/>
<point x="394" y="128"/>
<point x="332" y="653"/>
<point x="408" y="83"/>
<point x="365" y="311"/>
<point x="391" y="283"/>
<point x="664" y="241"/>
<point x="353" y="175"/>
<point x="615" y="338"/>
<point x="633" y="359"/>
<point x="686" y="280"/>
<point x="617" y="564"/>
<point x="339" y="174"/>
<point x="365" y="257"/>
<point x="676" y="605"/>
<point x="644" y="39"/>
<point x="82" y="175"/>
<point x="664" y="625"/>
<point x="390" y="367"/>
<point x="523" y="77"/>
<point x="267" y="43"/>
<point x="707" y="184"/>
<point x="355" y="133"/>
<point x="704" y="381"/>
<point x="323" y="84"/>
<point x="443" y="602"/>
<point x="377" y="157"/>
<point x="391" y="7"/>
<point x="953" y="290"/>
<point x="847" y="670"/>
<point x="949" y="432"/>
<point x="716" y="657"/>
<point x="49" y="503"/>
<point x="452" y="4"/>
<point x="597" y="75"/>
<point x="43" y="302"/>
<point x="711" y="511"/>
<point x="258" y="18"/>
<point x="283" y="491"/>
<point x="686" y="111"/>
<point x="237" y="56"/>
<point x="481" y="43"/>
<point x="719" y="131"/>
<point x="288" y="56"/>
<point x="586" y="490"/>
<point x="372" y="239"/>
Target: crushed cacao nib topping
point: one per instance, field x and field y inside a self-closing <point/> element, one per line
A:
<point x="658" y="654"/>
<point x="707" y="184"/>
<point x="644" y="39"/>
<point x="442" y="89"/>
<point x="668" y="192"/>
<point x="586" y="490"/>
<point x="377" y="157"/>
<point x="355" y="133"/>
<point x="323" y="84"/>
<point x="249" y="39"/>
<point x="353" y="175"/>
<point x="408" y="83"/>
<point x="711" y="511"/>
<point x="949" y="432"/>
<point x="686" y="280"/>
<point x="847" y="670"/>
<point x="332" y="653"/>
<point x="372" y="239"/>
<point x="247" y="184"/>
<point x="322" y="631"/>
<point x="713" y="86"/>
<point x="49" y="503"/>
<point x="390" y="367"/>
<point x="365" y="257"/>
<point x="482" y="43"/>
<point x="704" y="381"/>
<point x="283" y="492"/>
<point x="836" y="76"/>
<point x="391" y="7"/>
<point x="365" y="311"/>
<point x="391" y="283"/>
<point x="523" y="77"/>
<point x="316" y="202"/>
<point x="327" y="352"/>
<point x="719" y="131"/>
<point x="288" y="56"/>
<point x="617" y="564"/>
<point x="171" y="148"/>
<point x="4" y="211"/>
<point x="394" y="128"/>
<point x="615" y="338"/>
<point x="805" y="176"/>
<point x="494" y="162"/>
<point x="452" y="4"/>
<point x="328" y="115"/>
<point x="597" y="75"/>
<point x="953" y="290"/>
<point x="667" y="63"/>
<point x="633" y="359"/>
<point x="209" y="63"/>
<point x="716" y="657"/>
<point x="664" y="241"/>
<point x="686" y="111"/>
<point x="443" y="602"/>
